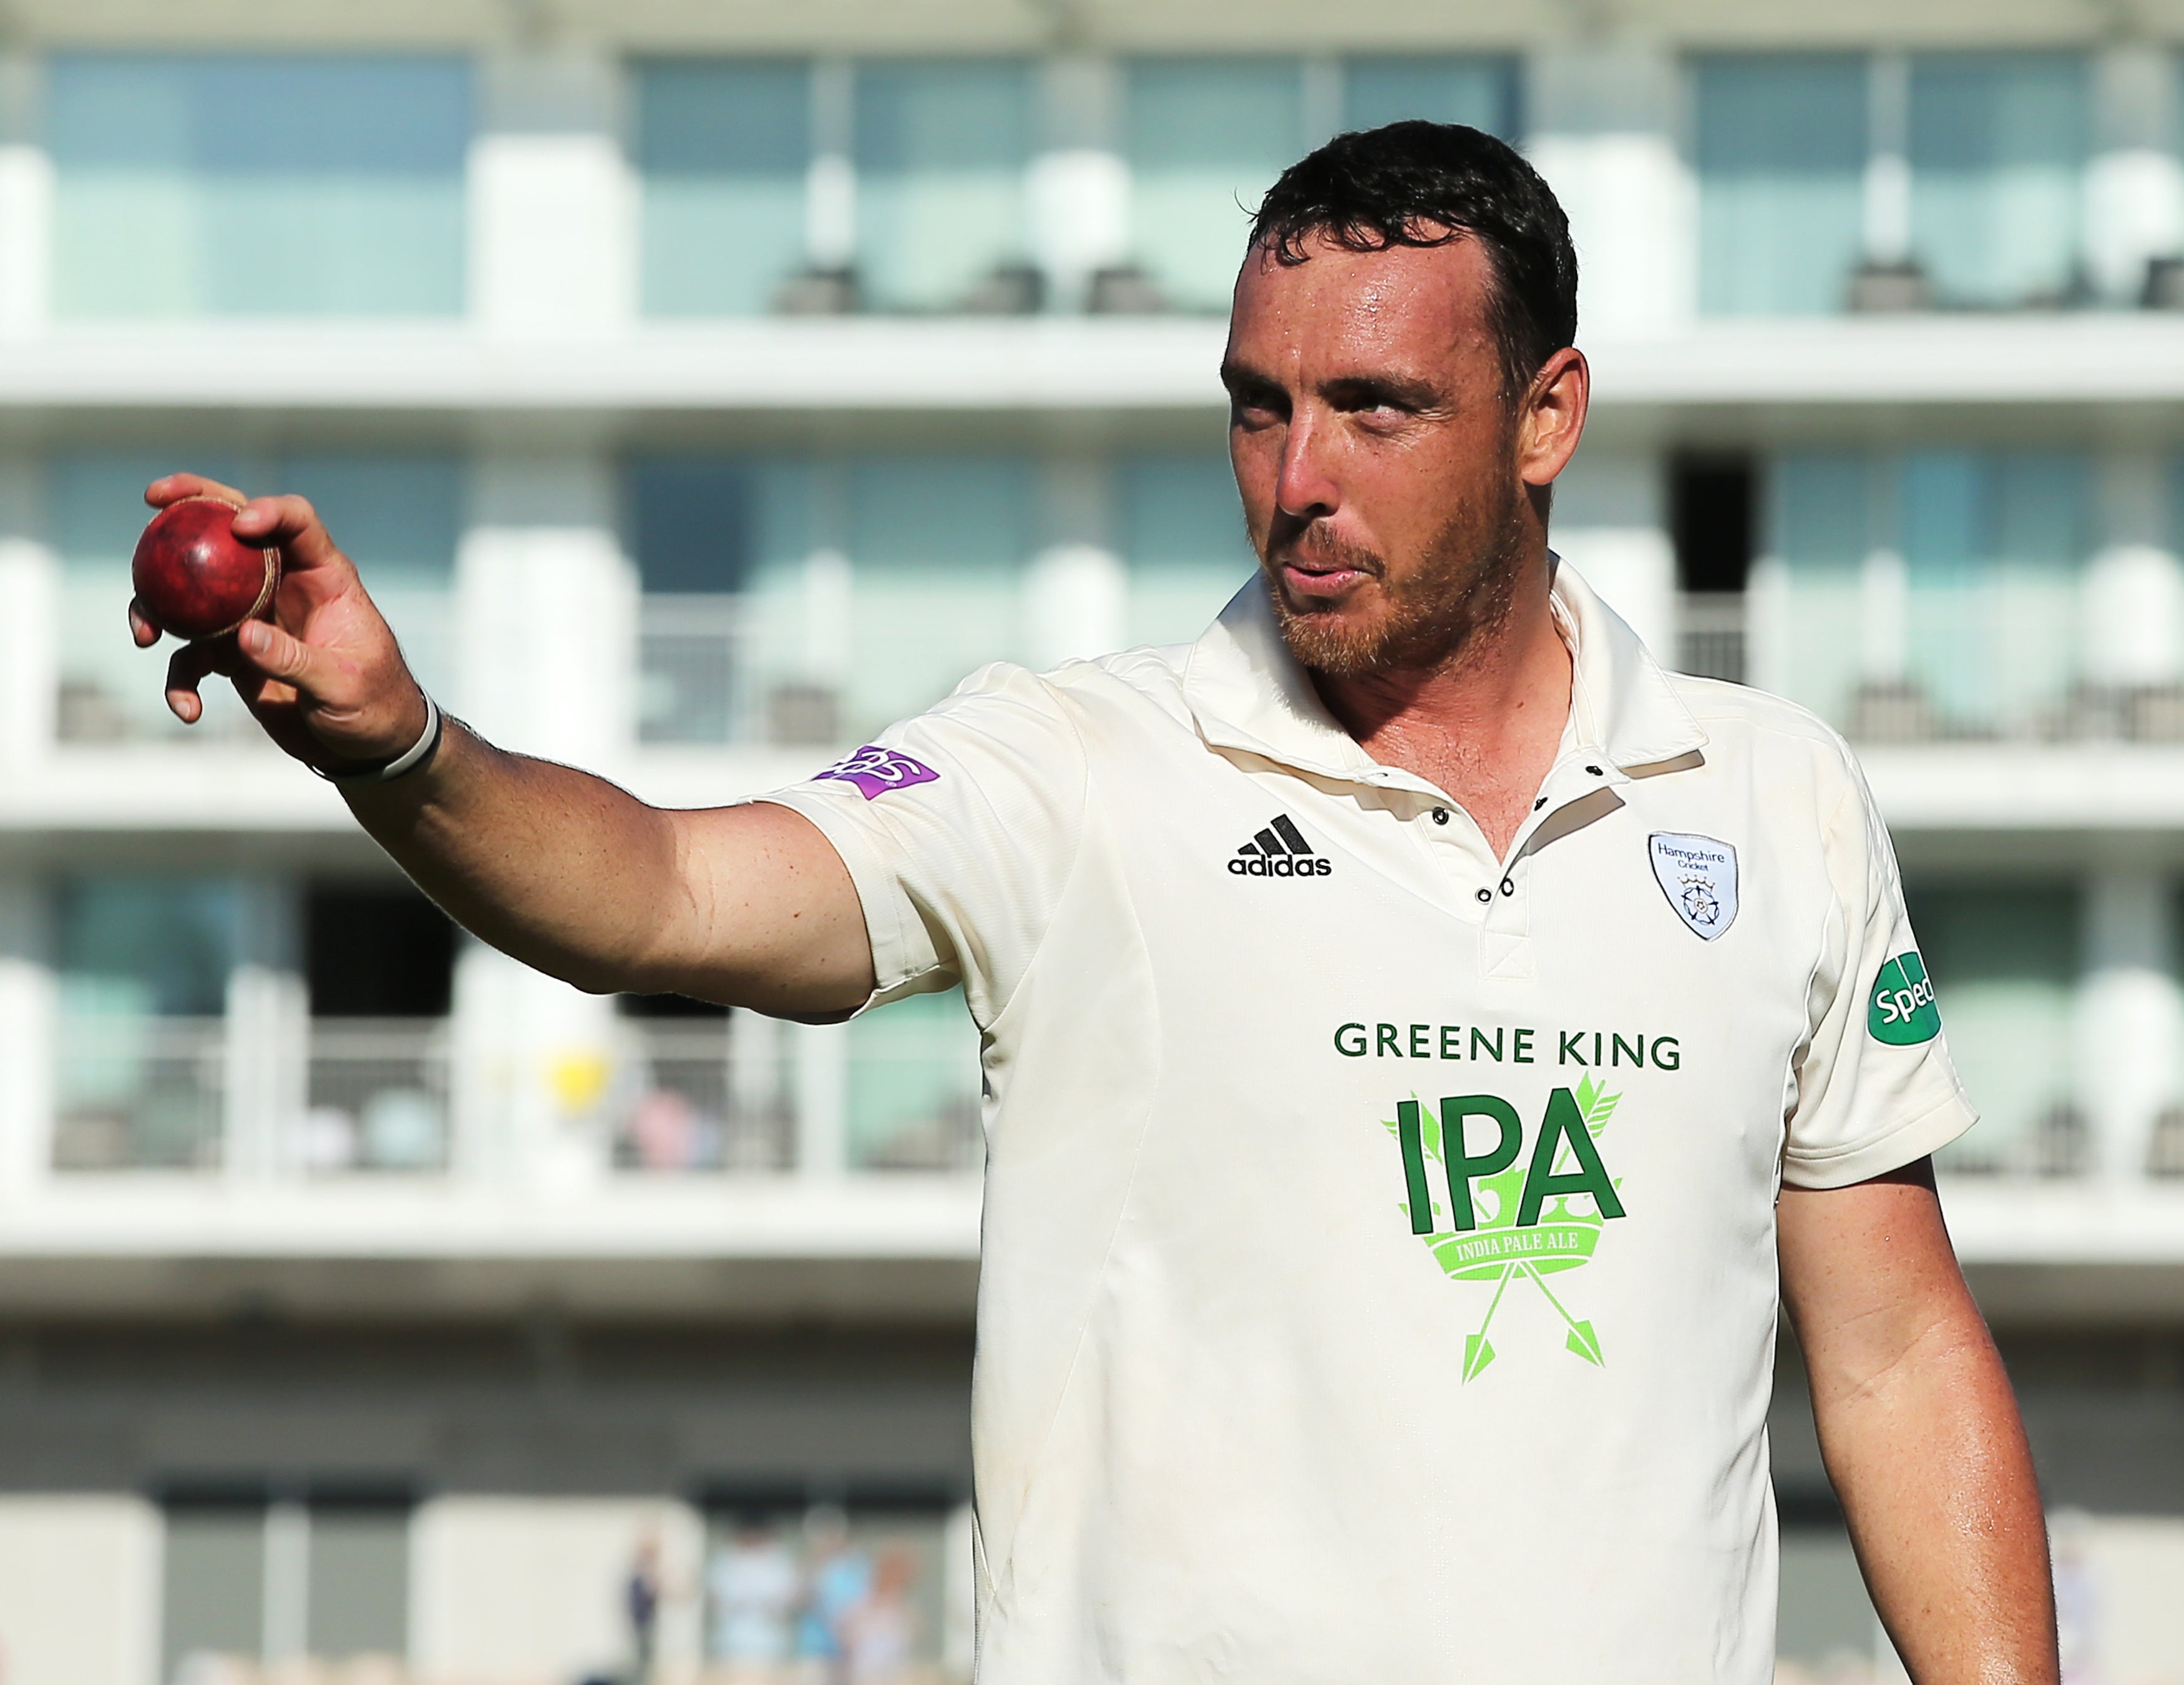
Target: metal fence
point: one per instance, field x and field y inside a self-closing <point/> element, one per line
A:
<point x="705" y="1095"/>
<point x="378" y="1098"/>
<point x="139" y="1093"/>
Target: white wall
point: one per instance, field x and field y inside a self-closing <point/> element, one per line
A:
<point x="528" y="1591"/>
<point x="79" y="1590"/>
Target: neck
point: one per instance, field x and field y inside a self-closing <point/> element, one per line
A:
<point x="1485" y="701"/>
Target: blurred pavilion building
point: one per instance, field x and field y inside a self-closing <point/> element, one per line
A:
<point x="701" y="387"/>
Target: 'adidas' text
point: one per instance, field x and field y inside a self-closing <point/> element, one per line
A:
<point x="1279" y="850"/>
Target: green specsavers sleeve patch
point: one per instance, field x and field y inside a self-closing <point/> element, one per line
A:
<point x="1902" y="1011"/>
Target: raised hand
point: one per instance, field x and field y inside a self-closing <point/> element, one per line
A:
<point x="322" y="673"/>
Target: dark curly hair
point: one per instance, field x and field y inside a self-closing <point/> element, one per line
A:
<point x="1429" y="184"/>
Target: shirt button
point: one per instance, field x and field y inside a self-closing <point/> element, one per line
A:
<point x="1486" y="894"/>
<point x="1596" y="772"/>
<point x="1538" y="805"/>
<point x="1508" y="887"/>
<point x="1440" y="815"/>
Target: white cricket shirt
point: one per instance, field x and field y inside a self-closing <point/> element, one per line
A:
<point x="1379" y="1275"/>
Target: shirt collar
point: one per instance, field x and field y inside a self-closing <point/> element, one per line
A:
<point x="1247" y="692"/>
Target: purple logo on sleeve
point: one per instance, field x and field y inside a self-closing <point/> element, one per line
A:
<point x="875" y="771"/>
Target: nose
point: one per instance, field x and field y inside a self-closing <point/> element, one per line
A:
<point x="1305" y="488"/>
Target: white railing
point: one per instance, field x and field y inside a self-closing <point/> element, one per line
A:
<point x="139" y="1093"/>
<point x="692" y="677"/>
<point x="704" y="1094"/>
<point x="700" y="679"/>
<point x="378" y="1100"/>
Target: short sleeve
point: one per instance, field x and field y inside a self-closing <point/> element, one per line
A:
<point x="1872" y="1089"/>
<point x="959" y="828"/>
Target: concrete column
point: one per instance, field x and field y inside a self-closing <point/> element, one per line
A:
<point x="1604" y="134"/>
<point x="29" y="1026"/>
<point x="2134" y="204"/>
<point x="2130" y="1028"/>
<point x="536" y="1078"/>
<point x="29" y="617"/>
<point x="26" y="204"/>
<point x="267" y="1054"/>
<point x="822" y="1098"/>
<point x="547" y="603"/>
<point x="1079" y="184"/>
<point x="2131" y="605"/>
<point x="1610" y="524"/>
<point x="1077" y="591"/>
<point x="553" y="201"/>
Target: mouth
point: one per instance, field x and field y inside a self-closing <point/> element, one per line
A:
<point x="1320" y="582"/>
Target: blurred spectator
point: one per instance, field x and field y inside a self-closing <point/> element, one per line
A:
<point x="840" y="1579"/>
<point x="641" y="1595"/>
<point x="666" y="1131"/>
<point x="878" y="1633"/>
<point x="754" y="1589"/>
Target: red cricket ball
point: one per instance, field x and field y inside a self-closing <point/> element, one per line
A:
<point x="194" y="577"/>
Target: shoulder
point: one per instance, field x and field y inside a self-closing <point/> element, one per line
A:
<point x="1773" y="733"/>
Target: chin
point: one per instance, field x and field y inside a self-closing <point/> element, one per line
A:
<point x="1332" y="640"/>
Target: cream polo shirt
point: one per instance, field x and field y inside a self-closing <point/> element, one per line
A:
<point x="1379" y="1273"/>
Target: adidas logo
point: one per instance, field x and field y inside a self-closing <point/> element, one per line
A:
<point x="1279" y="851"/>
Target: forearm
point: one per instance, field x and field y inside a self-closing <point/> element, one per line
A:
<point x="556" y="866"/>
<point x="1931" y="1461"/>
<point x="748" y="905"/>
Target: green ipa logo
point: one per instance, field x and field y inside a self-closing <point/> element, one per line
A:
<point x="1902" y="1011"/>
<point x="1510" y="1216"/>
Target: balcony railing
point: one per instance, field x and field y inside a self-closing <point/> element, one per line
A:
<point x="700" y="680"/>
<point x="378" y="1097"/>
<point x="696" y="1100"/>
<point x="139" y="1093"/>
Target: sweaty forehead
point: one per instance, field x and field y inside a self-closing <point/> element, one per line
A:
<point x="1420" y="306"/>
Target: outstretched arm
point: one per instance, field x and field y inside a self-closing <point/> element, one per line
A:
<point x="1919" y="1431"/>
<point x="749" y="906"/>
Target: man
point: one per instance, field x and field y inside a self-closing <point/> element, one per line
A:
<point x="1417" y="1028"/>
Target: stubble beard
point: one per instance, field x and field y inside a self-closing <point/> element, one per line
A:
<point x="1464" y="587"/>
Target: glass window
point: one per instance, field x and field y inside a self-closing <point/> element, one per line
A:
<point x="736" y="638"/>
<point x="1481" y="92"/>
<point x="723" y="150"/>
<point x="357" y="1587"/>
<point x="937" y="545"/>
<point x="1781" y="146"/>
<point x="1205" y="139"/>
<point x="1182" y="533"/>
<point x="159" y="946"/>
<point x="914" y="1086"/>
<point x="144" y="965"/>
<point x="1998" y="145"/>
<point x="214" y="1600"/>
<point x="241" y="1576"/>
<point x="941" y="150"/>
<point x="2004" y="958"/>
<point x="1991" y="544"/>
<point x="163" y="164"/>
<point x="1820" y="529"/>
